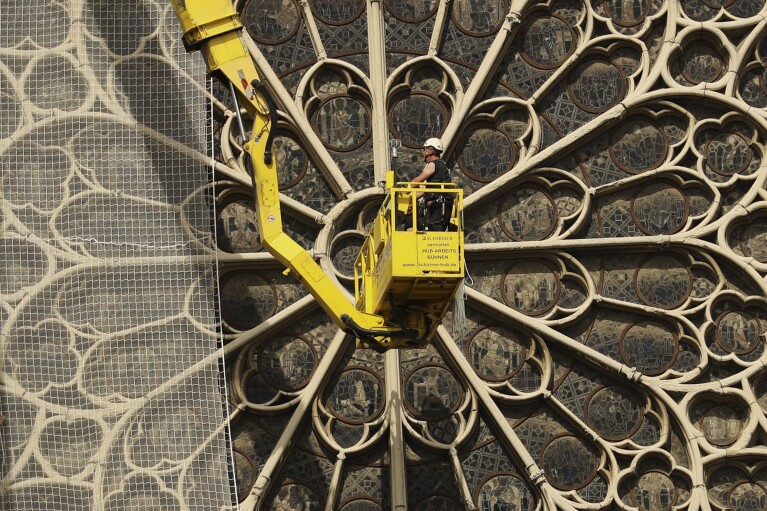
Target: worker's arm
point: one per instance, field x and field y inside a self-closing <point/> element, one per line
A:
<point x="426" y="173"/>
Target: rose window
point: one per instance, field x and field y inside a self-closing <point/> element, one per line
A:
<point x="613" y="356"/>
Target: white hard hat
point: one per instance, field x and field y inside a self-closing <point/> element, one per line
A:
<point x="434" y="143"/>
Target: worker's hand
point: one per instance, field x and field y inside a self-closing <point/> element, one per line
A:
<point x="421" y="202"/>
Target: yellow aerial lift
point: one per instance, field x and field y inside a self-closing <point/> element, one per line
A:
<point x="406" y="275"/>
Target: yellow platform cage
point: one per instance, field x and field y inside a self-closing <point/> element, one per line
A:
<point x="412" y="261"/>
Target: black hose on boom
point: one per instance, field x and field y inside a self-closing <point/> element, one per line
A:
<point x="273" y="117"/>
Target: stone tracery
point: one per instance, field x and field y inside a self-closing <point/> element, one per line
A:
<point x="612" y="155"/>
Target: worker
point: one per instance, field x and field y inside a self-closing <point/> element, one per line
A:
<point x="437" y="206"/>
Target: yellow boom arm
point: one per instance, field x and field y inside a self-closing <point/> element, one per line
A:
<point x="214" y="28"/>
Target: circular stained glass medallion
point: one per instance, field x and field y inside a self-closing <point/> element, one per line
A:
<point x="663" y="281"/>
<point x="417" y="117"/>
<point x="272" y="21"/>
<point x="748" y="496"/>
<point x="649" y="346"/>
<point x="753" y="241"/>
<point x="568" y="462"/>
<point x="343" y="123"/>
<point x="291" y="160"/>
<point x="615" y="413"/>
<point x="596" y="86"/>
<point x="504" y="491"/>
<point x="344" y="251"/>
<point x="357" y="396"/>
<point x="627" y="13"/>
<point x="527" y="214"/>
<point x="638" y="146"/>
<point x="721" y="424"/>
<point x="728" y="154"/>
<point x="548" y="41"/>
<point x="247" y="299"/>
<point x="738" y="332"/>
<point x="432" y="393"/>
<point x="237" y="227"/>
<point x="479" y="19"/>
<point x="487" y="154"/>
<point x="361" y="505"/>
<point x="287" y="363"/>
<point x="701" y="62"/>
<point x="659" y="208"/>
<point x="654" y="491"/>
<point x="496" y="353"/>
<point x="412" y="11"/>
<point x="530" y="287"/>
<point x="292" y="496"/>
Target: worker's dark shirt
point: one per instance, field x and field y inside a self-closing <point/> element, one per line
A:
<point x="439" y="205"/>
<point x="441" y="173"/>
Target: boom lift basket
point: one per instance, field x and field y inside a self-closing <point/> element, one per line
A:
<point x="412" y="261"/>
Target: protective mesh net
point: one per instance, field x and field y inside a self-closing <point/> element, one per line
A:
<point x="111" y="395"/>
